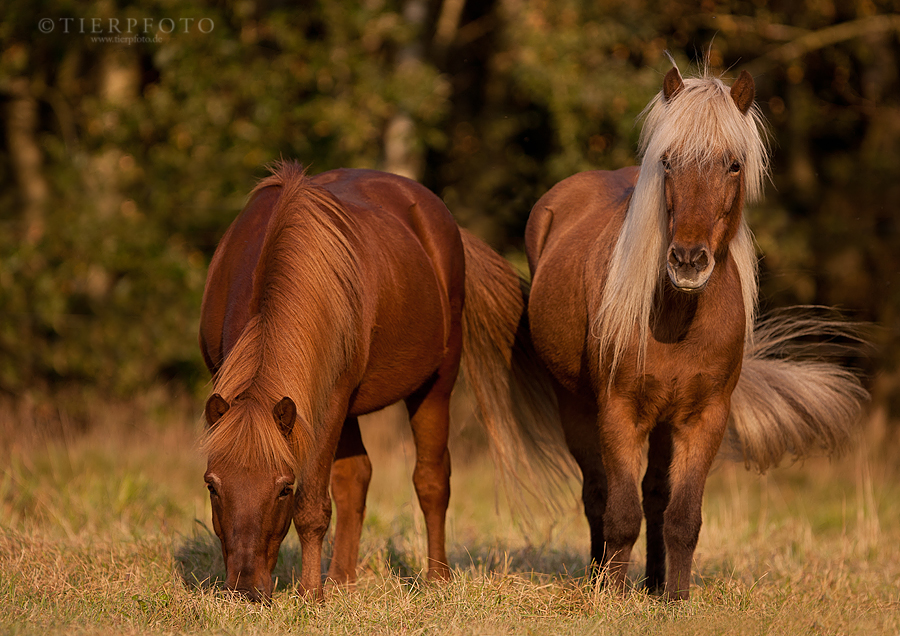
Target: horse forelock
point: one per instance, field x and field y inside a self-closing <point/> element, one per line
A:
<point x="700" y="124"/>
<point x="304" y="335"/>
<point x="247" y="437"/>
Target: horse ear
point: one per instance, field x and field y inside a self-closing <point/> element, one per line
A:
<point x="743" y="91"/>
<point x="672" y="84"/>
<point x="216" y="407"/>
<point x="285" y="413"/>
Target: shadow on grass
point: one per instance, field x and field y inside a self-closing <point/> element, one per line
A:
<point x="398" y="559"/>
<point x="541" y="560"/>
<point x="199" y="561"/>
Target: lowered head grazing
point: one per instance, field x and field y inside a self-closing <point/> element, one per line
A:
<point x="252" y="496"/>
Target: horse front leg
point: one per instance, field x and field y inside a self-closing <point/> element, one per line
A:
<point x="312" y="505"/>
<point x="312" y="515"/>
<point x="656" y="492"/>
<point x="350" y="476"/>
<point x="621" y="440"/>
<point x="694" y="446"/>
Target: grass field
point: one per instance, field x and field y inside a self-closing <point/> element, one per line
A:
<point x="106" y="531"/>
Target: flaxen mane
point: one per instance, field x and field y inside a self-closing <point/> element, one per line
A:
<point x="299" y="342"/>
<point x="701" y="124"/>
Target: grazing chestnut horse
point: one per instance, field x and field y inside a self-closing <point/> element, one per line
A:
<point x="330" y="297"/>
<point x="643" y="305"/>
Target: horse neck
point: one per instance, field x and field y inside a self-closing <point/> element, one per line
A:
<point x="673" y="313"/>
<point x="622" y="309"/>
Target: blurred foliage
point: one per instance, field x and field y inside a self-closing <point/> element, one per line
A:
<point x="146" y="149"/>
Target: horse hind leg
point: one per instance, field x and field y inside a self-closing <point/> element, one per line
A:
<point x="579" y="420"/>
<point x="429" y="412"/>
<point x="656" y="492"/>
<point x="350" y="476"/>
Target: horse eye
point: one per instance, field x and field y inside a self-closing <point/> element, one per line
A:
<point x="212" y="490"/>
<point x="285" y="492"/>
<point x="734" y="168"/>
<point x="666" y="164"/>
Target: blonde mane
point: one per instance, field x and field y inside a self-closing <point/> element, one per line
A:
<point x="700" y="124"/>
<point x="300" y="341"/>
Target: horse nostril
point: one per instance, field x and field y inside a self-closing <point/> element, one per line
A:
<point x="683" y="259"/>
<point x="676" y="256"/>
<point x="699" y="259"/>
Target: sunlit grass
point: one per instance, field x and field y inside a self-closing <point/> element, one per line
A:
<point x="106" y="531"/>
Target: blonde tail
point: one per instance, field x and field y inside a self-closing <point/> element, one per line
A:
<point x="789" y="399"/>
<point x="511" y="386"/>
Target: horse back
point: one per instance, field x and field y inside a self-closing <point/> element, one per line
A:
<point x="395" y="208"/>
<point x="227" y="297"/>
<point x="410" y="261"/>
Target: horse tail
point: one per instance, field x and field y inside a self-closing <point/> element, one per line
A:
<point x="512" y="388"/>
<point x="792" y="397"/>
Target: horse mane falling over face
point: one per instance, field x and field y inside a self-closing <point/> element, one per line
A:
<point x="306" y="285"/>
<point x="274" y="364"/>
<point x="693" y="123"/>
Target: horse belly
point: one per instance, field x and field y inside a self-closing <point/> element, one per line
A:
<point x="409" y="339"/>
<point x="557" y="333"/>
<point x="558" y="322"/>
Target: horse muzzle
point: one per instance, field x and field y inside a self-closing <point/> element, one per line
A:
<point x="689" y="268"/>
<point x="254" y="583"/>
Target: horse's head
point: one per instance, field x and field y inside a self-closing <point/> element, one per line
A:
<point x="252" y="501"/>
<point x="704" y="190"/>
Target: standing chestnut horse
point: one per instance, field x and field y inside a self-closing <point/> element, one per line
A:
<point x="643" y="304"/>
<point x="330" y="297"/>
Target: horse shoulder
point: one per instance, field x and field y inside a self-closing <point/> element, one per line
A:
<point x="726" y="321"/>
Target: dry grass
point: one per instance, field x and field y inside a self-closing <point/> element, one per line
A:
<point x="105" y="531"/>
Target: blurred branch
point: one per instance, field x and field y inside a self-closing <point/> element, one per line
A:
<point x="477" y="29"/>
<point x="448" y="24"/>
<point x="64" y="115"/>
<point x="815" y="40"/>
<point x="748" y="24"/>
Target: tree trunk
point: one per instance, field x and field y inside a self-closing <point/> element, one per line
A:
<point x="25" y="155"/>
<point x="402" y="155"/>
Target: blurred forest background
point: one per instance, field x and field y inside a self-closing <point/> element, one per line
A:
<point x="132" y="132"/>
